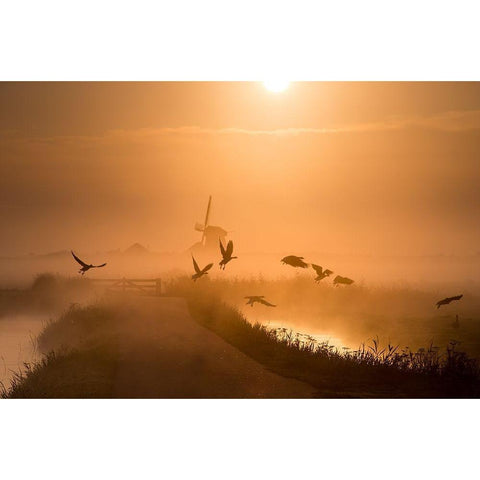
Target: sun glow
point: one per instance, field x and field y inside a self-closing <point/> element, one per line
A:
<point x="276" y="86"/>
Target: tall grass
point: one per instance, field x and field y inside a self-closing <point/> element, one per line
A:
<point x="79" y="357"/>
<point x="359" y="305"/>
<point x="85" y="354"/>
<point x="397" y="314"/>
<point x="76" y="326"/>
<point x="370" y="370"/>
<point x="72" y="373"/>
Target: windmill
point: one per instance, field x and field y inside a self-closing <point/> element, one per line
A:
<point x="211" y="234"/>
<point x="202" y="228"/>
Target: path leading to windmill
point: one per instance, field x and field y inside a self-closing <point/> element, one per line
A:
<point x="169" y="355"/>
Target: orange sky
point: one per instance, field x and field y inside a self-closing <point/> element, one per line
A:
<point x="382" y="168"/>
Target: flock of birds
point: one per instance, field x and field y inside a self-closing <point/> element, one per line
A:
<point x="299" y="262"/>
<point x="227" y="256"/>
<point x="292" y="260"/>
<point x="295" y="261"/>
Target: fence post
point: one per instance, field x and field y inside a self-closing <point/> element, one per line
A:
<point x="158" y="286"/>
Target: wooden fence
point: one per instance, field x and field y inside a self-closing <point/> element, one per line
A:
<point x="146" y="286"/>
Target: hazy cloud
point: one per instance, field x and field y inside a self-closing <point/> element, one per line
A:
<point x="150" y="185"/>
<point x="448" y="121"/>
<point x="453" y="121"/>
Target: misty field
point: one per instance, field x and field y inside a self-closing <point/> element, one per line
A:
<point x="353" y="315"/>
<point x="47" y="293"/>
<point x="344" y="342"/>
<point x="372" y="370"/>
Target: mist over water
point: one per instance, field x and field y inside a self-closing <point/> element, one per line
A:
<point x="364" y="321"/>
<point x="398" y="309"/>
<point x="422" y="272"/>
<point x="18" y="343"/>
<point x="393" y="298"/>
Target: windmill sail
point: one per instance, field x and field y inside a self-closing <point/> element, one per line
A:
<point x="205" y="225"/>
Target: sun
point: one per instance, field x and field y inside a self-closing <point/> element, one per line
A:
<point x="276" y="86"/>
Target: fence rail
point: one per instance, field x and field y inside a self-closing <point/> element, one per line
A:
<point x="148" y="286"/>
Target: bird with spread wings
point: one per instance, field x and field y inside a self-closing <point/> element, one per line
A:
<point x="85" y="266"/>
<point x="338" y="280"/>
<point x="447" y="300"/>
<point x="321" y="273"/>
<point x="259" y="299"/>
<point x="200" y="272"/>
<point x="294" y="261"/>
<point x="226" y="253"/>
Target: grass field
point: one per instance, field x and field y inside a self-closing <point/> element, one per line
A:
<point x="370" y="371"/>
<point x="349" y="316"/>
<point x="79" y="357"/>
<point x="82" y="356"/>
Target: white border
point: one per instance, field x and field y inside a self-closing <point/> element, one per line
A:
<point x="218" y="40"/>
<point x="235" y="439"/>
<point x="248" y="40"/>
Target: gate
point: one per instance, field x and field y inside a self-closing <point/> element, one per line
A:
<point x="145" y="286"/>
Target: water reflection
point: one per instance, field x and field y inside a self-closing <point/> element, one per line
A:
<point x="350" y="332"/>
<point x="318" y="337"/>
<point x="18" y="343"/>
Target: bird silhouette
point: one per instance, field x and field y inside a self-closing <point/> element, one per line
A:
<point x="338" y="280"/>
<point x="258" y="298"/>
<point x="85" y="266"/>
<point x="226" y="253"/>
<point x="321" y="274"/>
<point x="200" y="272"/>
<point x="447" y="300"/>
<point x="294" y="261"/>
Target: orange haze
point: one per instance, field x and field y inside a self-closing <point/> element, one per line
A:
<point x="343" y="168"/>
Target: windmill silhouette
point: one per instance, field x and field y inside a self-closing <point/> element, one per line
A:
<point x="211" y="234"/>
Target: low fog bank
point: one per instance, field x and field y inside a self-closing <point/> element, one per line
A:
<point x="392" y="297"/>
<point x="351" y="315"/>
<point x="17" y="342"/>
<point x="45" y="295"/>
<point x="438" y="273"/>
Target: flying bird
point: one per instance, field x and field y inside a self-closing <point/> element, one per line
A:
<point x="85" y="266"/>
<point x="321" y="274"/>
<point x="447" y="300"/>
<point x="294" y="261"/>
<point x="200" y="272"/>
<point x="258" y="298"/>
<point x="226" y="253"/>
<point x="342" y="280"/>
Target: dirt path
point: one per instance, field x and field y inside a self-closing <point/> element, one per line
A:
<point x="185" y="360"/>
